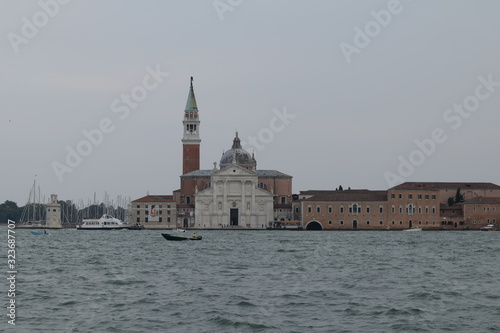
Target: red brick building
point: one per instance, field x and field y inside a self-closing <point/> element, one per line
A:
<point x="423" y="204"/>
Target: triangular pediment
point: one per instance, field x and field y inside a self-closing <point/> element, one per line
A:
<point x="233" y="170"/>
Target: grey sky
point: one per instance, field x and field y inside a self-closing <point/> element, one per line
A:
<point x="354" y="121"/>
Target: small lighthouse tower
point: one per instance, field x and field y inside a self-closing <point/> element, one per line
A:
<point x="53" y="218"/>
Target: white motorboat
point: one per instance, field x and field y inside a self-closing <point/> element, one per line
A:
<point x="106" y="222"/>
<point x="489" y="227"/>
<point x="413" y="229"/>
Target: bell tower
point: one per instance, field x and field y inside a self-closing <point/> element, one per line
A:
<point x="191" y="138"/>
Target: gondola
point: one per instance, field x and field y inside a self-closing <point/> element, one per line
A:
<point x="177" y="238"/>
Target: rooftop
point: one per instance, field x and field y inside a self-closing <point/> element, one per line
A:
<point x="434" y="186"/>
<point x="155" y="198"/>
<point x="482" y="201"/>
<point x="346" y="195"/>
<point x="260" y="173"/>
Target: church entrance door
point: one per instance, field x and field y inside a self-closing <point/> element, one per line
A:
<point x="233" y="216"/>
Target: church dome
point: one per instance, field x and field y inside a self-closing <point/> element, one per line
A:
<point x="238" y="155"/>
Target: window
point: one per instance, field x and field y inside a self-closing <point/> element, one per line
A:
<point x="159" y="206"/>
<point x="393" y="196"/>
<point x="168" y="206"/>
<point x="381" y="222"/>
<point x="420" y="196"/>
<point x="355" y="209"/>
<point x="419" y="210"/>
<point x="188" y="200"/>
<point x="262" y="186"/>
<point x="138" y="212"/>
<point x="168" y="212"/>
<point x="367" y="222"/>
<point x="426" y="197"/>
<point x="318" y="209"/>
<point x="329" y="222"/>
<point x="138" y="219"/>
<point x="146" y="206"/>
<point x="330" y="209"/>
<point x="283" y="200"/>
<point x="367" y="209"/>
<point x="160" y="219"/>
<point x="309" y="209"/>
<point x="296" y="210"/>
<point x="393" y="209"/>
<point x="426" y="210"/>
<point x="400" y="209"/>
<point x="147" y="212"/>
<point x="146" y="220"/>
<point x="380" y="209"/>
<point x="341" y="209"/>
<point x="159" y="212"/>
<point x="138" y="206"/>
<point x="401" y="222"/>
<point x="400" y="196"/>
<point x="410" y="196"/>
<point x="168" y="219"/>
<point x="433" y="210"/>
<point x="419" y="222"/>
<point x="393" y="222"/>
<point x="433" y="197"/>
<point x="341" y="222"/>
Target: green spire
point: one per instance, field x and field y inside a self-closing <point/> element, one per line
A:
<point x="191" y="102"/>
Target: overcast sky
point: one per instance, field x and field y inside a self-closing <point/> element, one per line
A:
<point x="363" y="94"/>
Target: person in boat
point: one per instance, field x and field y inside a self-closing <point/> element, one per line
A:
<point x="45" y="231"/>
<point x="195" y="236"/>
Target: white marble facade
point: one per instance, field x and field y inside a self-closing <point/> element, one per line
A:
<point x="233" y="200"/>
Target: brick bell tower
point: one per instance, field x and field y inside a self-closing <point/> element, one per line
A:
<point x="191" y="138"/>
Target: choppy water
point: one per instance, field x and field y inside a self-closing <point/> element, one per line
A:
<point x="257" y="281"/>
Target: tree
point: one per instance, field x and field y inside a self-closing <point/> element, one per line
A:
<point x="459" y="197"/>
<point x="340" y="188"/>
<point x="10" y="211"/>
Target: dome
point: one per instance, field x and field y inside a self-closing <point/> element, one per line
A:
<point x="238" y="155"/>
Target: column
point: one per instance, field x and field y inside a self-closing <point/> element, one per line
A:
<point x="243" y="190"/>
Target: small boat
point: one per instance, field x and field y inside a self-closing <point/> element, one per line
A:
<point x="180" y="230"/>
<point x="34" y="232"/>
<point x="177" y="238"/>
<point x="489" y="227"/>
<point x="106" y="222"/>
<point x="413" y="229"/>
<point x="136" y="226"/>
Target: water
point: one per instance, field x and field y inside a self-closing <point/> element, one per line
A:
<point x="257" y="281"/>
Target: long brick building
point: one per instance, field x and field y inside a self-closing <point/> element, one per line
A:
<point x="404" y="206"/>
